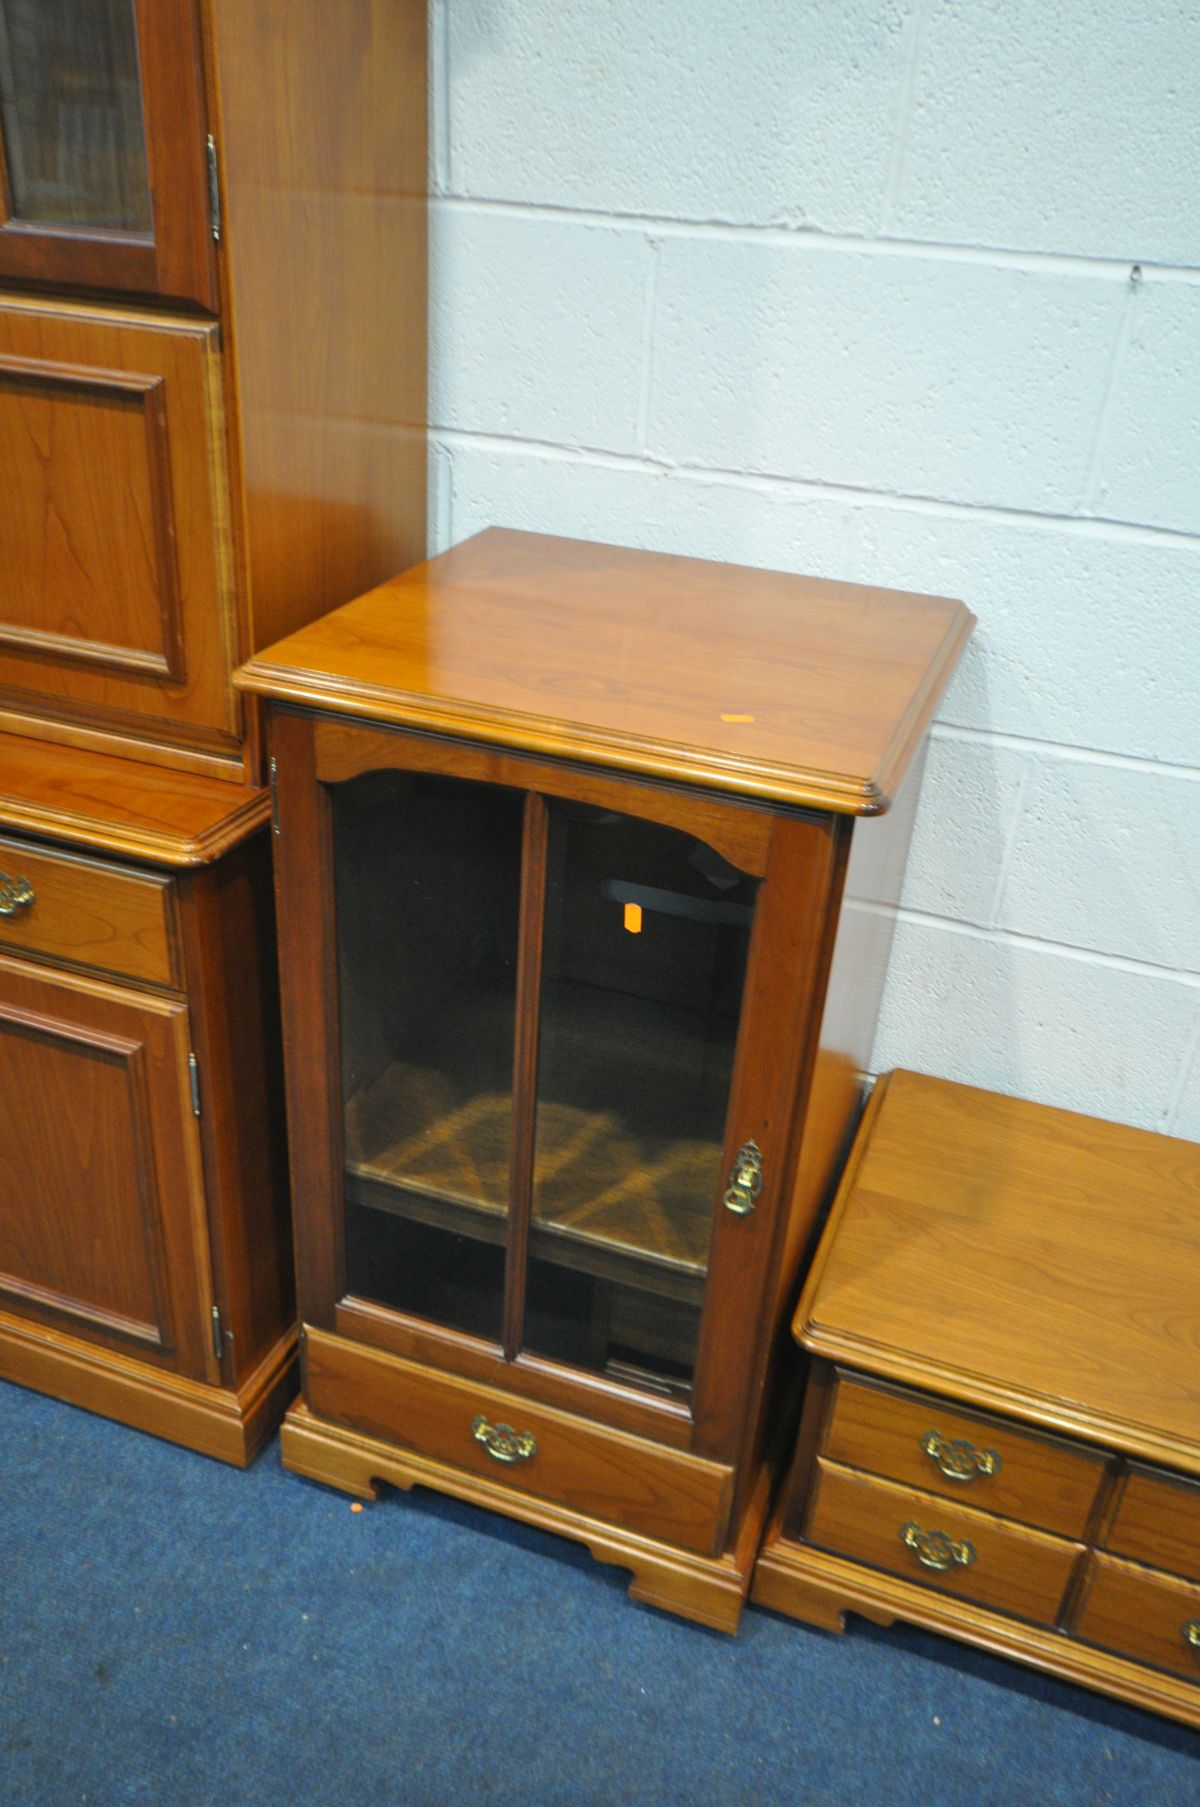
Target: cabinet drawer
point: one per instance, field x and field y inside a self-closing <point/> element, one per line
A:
<point x="1158" y="1521"/>
<point x="982" y="1461"/>
<point x="1006" y="1566"/>
<point x="661" y="1493"/>
<point x="92" y="914"/>
<point x="1140" y="1614"/>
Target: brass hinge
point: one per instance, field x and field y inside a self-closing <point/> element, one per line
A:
<point x="214" y="190"/>
<point x="194" y="1082"/>
<point x="218" y="1340"/>
<point x="274" y="796"/>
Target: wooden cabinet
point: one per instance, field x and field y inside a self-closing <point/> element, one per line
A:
<point x="212" y="292"/>
<point x="998" y="1313"/>
<point x="211" y="350"/>
<point x="144" y="1234"/>
<point x="562" y="840"/>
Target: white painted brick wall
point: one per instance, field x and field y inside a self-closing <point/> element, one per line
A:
<point x="907" y="292"/>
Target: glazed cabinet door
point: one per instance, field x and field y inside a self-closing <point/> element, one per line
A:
<point x="549" y="1135"/>
<point x="116" y="604"/>
<point x="103" y="147"/>
<point x="102" y="1224"/>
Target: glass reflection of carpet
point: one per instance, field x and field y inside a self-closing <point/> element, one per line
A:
<point x="598" y="1180"/>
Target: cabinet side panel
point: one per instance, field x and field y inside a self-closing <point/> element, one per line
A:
<point x="861" y="951"/>
<point x="229" y="938"/>
<point x="320" y="122"/>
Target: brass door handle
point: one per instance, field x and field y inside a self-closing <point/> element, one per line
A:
<point x="958" y="1459"/>
<point x="934" y="1550"/>
<point x="1190" y="1633"/>
<point x="745" y="1180"/>
<point x="502" y="1442"/>
<point x="15" y="894"/>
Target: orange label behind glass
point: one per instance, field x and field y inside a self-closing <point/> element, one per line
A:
<point x="633" y="918"/>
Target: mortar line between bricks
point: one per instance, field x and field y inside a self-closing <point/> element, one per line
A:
<point x="1190" y="1057"/>
<point x="1058" y="749"/>
<point x="1086" y="526"/>
<point x="813" y="238"/>
<point x="1035" y="944"/>
<point x="1116" y="369"/>
<point x="904" y="107"/>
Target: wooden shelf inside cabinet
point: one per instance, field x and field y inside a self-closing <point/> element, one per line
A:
<point x="576" y="996"/>
<point x="1001" y="1313"/>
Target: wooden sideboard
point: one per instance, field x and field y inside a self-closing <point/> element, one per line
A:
<point x="578" y="876"/>
<point x="1001" y="1436"/>
<point x="212" y="358"/>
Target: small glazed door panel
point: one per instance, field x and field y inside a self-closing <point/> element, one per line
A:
<point x="102" y="1231"/>
<point x="115" y="606"/>
<point x="545" y="1201"/>
<point x="103" y="163"/>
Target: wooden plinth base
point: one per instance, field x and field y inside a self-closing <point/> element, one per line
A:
<point x="819" y="1589"/>
<point x="230" y="1424"/>
<point x="710" y="1590"/>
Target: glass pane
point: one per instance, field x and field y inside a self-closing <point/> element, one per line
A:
<point x="646" y="938"/>
<point x="427" y="885"/>
<point x="71" y="106"/>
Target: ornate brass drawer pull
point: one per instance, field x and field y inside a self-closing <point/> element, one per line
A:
<point x="934" y="1550"/>
<point x="1190" y="1633"/>
<point x="959" y="1460"/>
<point x="502" y="1442"/>
<point x="15" y="894"/>
<point x="745" y="1181"/>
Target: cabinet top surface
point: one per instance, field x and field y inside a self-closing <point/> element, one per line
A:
<point x="792" y="689"/>
<point x="100" y="801"/>
<point x="1009" y="1254"/>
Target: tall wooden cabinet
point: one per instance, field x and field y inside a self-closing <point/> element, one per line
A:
<point x="212" y="297"/>
<point x="581" y="957"/>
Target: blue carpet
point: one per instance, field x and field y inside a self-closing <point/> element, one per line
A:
<point x="176" y="1632"/>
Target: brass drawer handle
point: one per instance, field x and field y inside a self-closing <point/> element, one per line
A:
<point x="502" y="1442"/>
<point x="745" y="1180"/>
<point x="1190" y="1634"/>
<point x="959" y="1460"/>
<point x="15" y="894"/>
<point x="934" y="1550"/>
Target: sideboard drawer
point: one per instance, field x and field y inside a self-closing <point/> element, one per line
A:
<point x="657" y="1492"/>
<point x="1138" y="1613"/>
<point x="88" y="912"/>
<point x="951" y="1548"/>
<point x="1158" y="1521"/>
<point x="964" y="1456"/>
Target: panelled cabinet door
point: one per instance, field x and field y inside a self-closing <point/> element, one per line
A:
<point x="103" y="1233"/>
<point x="545" y="1122"/>
<point x="115" y="605"/>
<point x="103" y="147"/>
